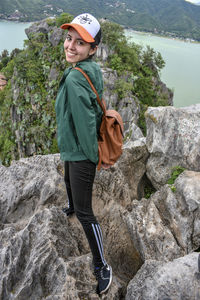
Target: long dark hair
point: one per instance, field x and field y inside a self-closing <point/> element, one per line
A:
<point x="97" y="39"/>
<point x="96" y="42"/>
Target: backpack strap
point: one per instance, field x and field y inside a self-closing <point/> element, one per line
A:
<point x="102" y="105"/>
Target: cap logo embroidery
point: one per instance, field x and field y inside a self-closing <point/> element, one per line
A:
<point x="85" y="19"/>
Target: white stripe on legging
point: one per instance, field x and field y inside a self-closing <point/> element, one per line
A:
<point x="68" y="203"/>
<point x="98" y="237"/>
<point x="100" y="233"/>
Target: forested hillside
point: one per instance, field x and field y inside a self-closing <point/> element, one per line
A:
<point x="177" y="17"/>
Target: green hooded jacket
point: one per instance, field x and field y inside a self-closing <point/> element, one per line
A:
<point x="78" y="114"/>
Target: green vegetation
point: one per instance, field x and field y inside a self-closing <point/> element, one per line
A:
<point x="63" y="18"/>
<point x="148" y="187"/>
<point x="148" y="191"/>
<point x="27" y="120"/>
<point x="177" y="18"/>
<point x="176" y="171"/>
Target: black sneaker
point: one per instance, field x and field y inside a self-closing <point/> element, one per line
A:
<point x="104" y="278"/>
<point x="68" y="211"/>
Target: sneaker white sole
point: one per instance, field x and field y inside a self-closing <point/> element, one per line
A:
<point x="110" y="281"/>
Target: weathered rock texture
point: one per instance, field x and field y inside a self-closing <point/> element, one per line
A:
<point x="173" y="138"/>
<point x="44" y="254"/>
<point x="128" y="107"/>
<point x="167" y="225"/>
<point x="176" y="280"/>
<point x="38" y="27"/>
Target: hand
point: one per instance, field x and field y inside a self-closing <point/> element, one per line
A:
<point x="105" y="166"/>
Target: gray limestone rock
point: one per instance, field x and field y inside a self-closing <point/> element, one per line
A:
<point x="103" y="52"/>
<point x="44" y="254"/>
<point x="27" y="184"/>
<point x="55" y="36"/>
<point x="173" y="138"/>
<point x="185" y="210"/>
<point x="37" y="27"/>
<point x="167" y="225"/>
<point x="176" y="280"/>
<point x="109" y="94"/>
<point x="151" y="237"/>
<point x="46" y="259"/>
<point x="128" y="107"/>
<point x="136" y="133"/>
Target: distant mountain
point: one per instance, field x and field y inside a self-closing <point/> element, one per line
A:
<point x="177" y="17"/>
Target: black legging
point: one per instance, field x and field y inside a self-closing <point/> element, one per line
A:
<point x="79" y="179"/>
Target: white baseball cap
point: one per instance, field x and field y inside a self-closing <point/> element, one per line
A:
<point x="86" y="25"/>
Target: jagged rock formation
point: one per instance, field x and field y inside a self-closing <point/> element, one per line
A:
<point x="45" y="255"/>
<point x="178" y="279"/>
<point x="128" y="107"/>
<point x="172" y="139"/>
<point x="166" y="226"/>
<point x="42" y="253"/>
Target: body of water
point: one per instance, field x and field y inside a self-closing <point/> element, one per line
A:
<point x="181" y="73"/>
<point x="182" y="70"/>
<point x="12" y="35"/>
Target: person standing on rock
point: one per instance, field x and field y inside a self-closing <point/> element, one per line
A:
<point x="78" y="121"/>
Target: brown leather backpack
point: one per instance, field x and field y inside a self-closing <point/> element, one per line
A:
<point x="110" y="140"/>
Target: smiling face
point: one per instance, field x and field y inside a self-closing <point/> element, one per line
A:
<point x="76" y="49"/>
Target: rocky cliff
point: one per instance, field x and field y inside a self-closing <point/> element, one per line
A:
<point x="151" y="242"/>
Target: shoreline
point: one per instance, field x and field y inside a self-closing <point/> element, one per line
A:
<point x="180" y="39"/>
<point x="17" y="21"/>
